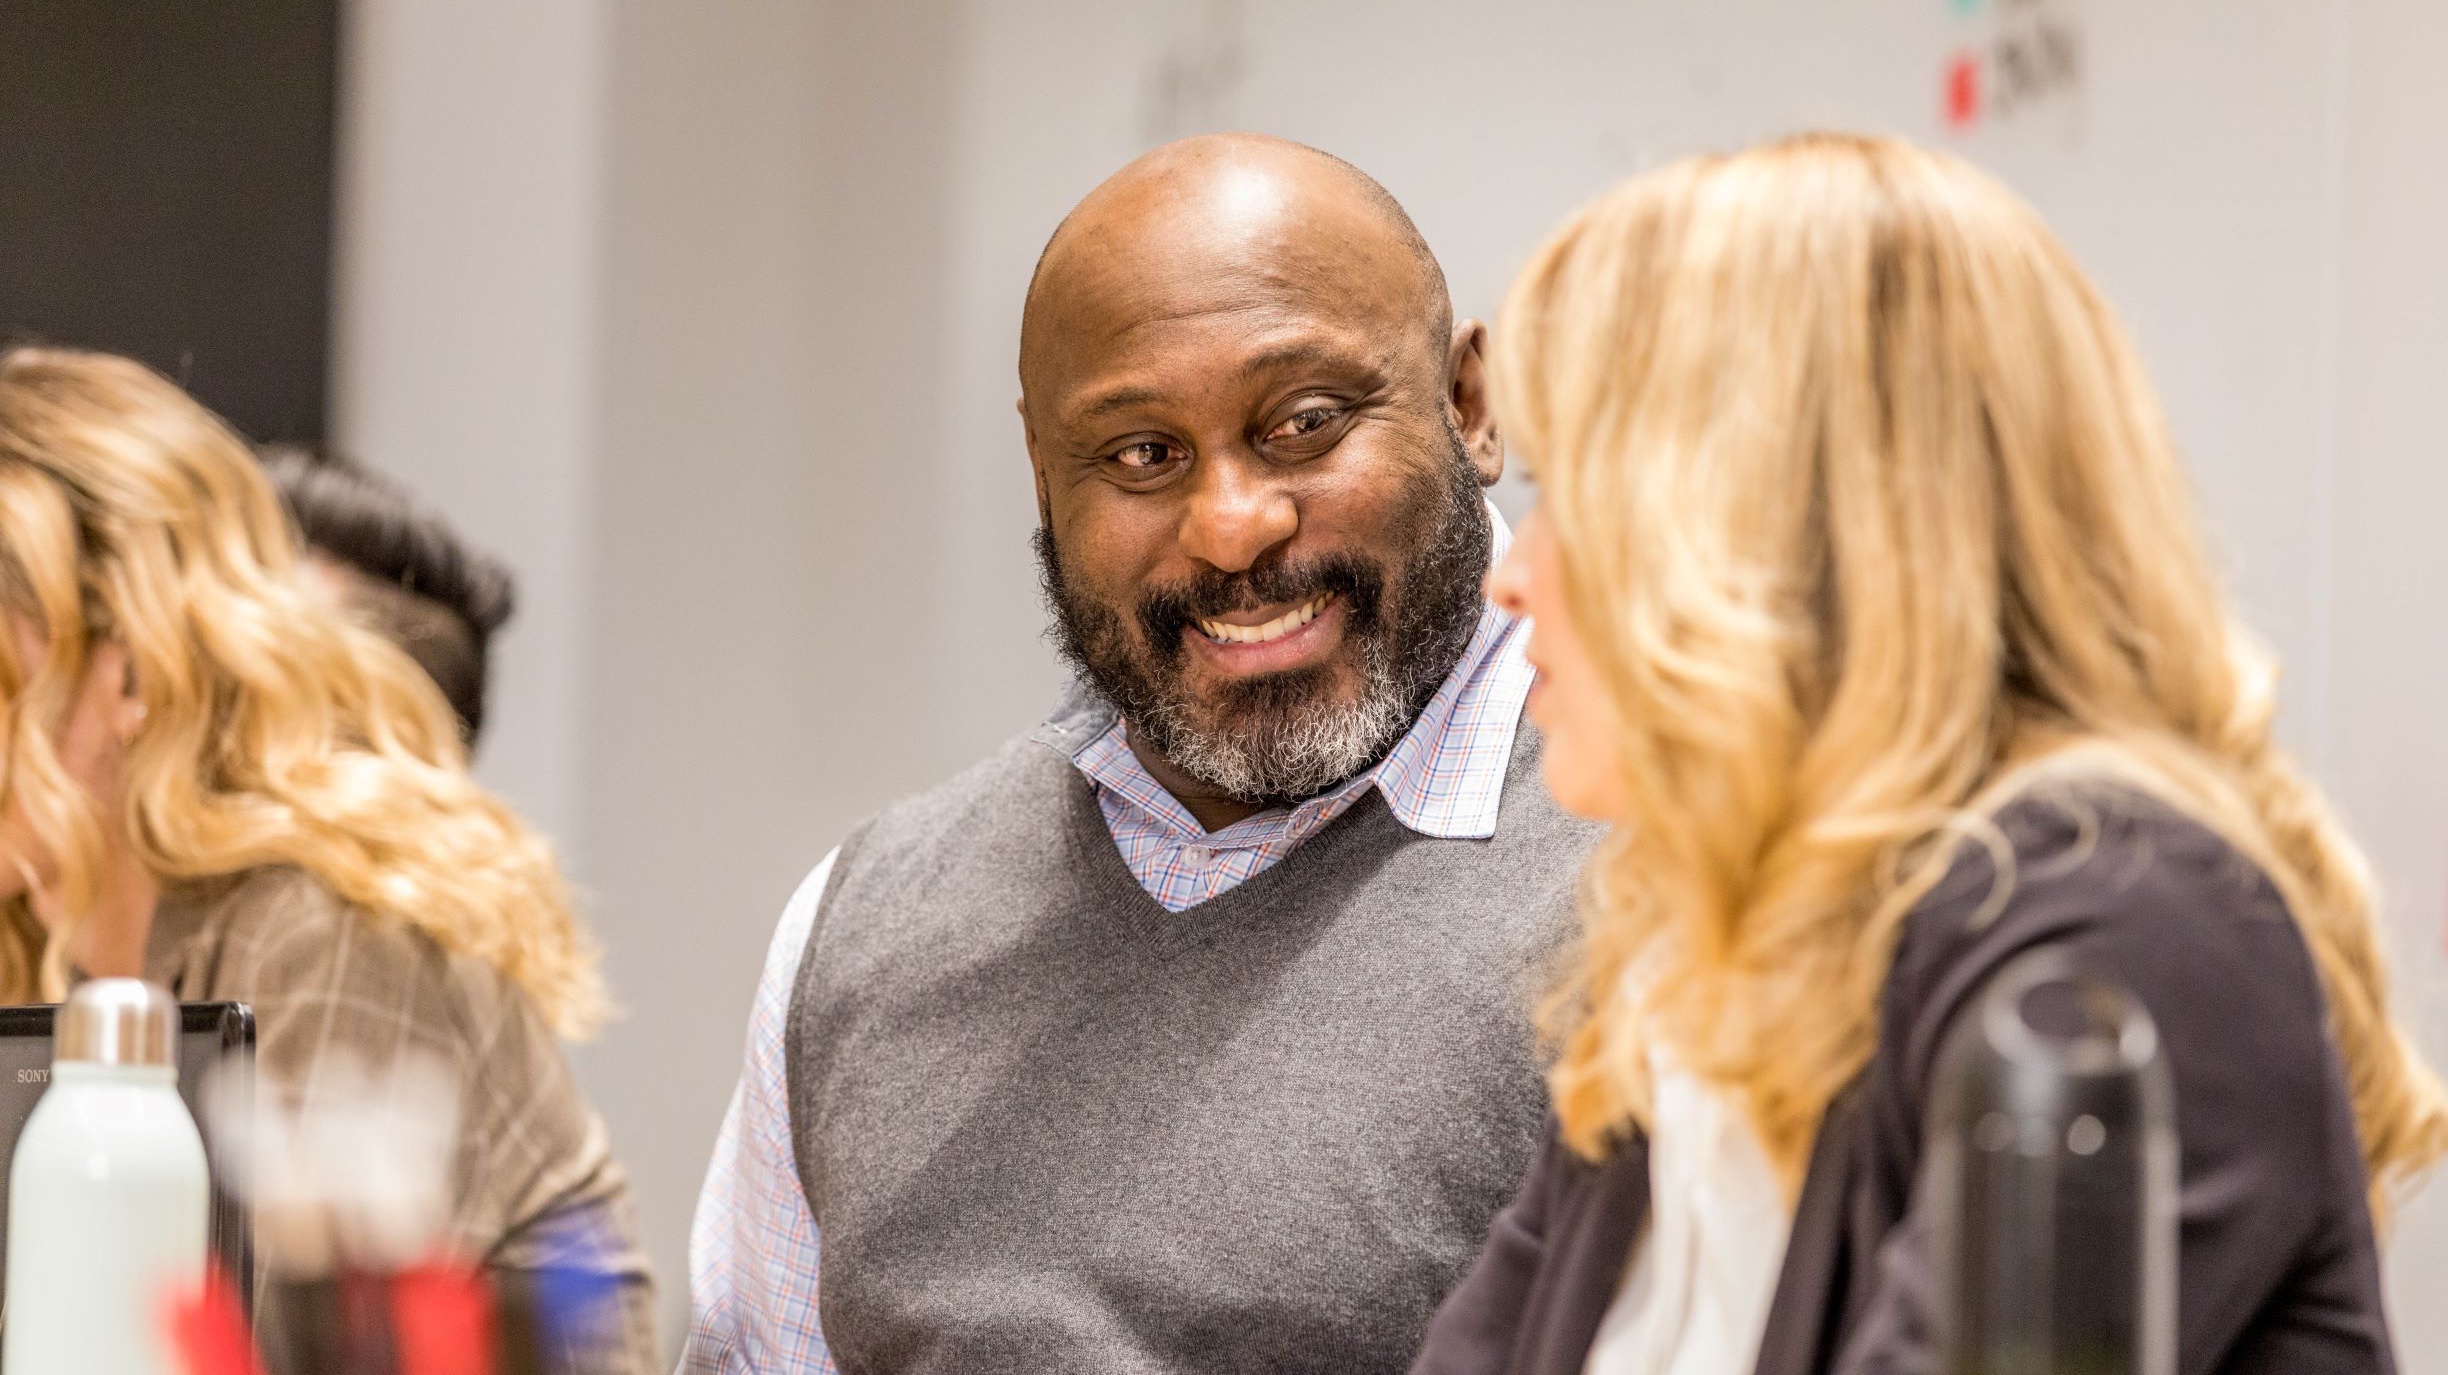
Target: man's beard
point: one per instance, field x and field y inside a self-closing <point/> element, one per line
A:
<point x="1276" y="739"/>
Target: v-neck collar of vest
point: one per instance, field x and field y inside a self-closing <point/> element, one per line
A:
<point x="1206" y="922"/>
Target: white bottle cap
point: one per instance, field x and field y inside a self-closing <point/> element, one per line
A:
<point x="118" y="1022"/>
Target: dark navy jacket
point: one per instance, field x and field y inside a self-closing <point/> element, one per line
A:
<point x="2278" y="1272"/>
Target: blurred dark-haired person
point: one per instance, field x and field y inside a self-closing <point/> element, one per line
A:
<point x="1190" y="1031"/>
<point x="211" y="780"/>
<point x="398" y="569"/>
<point x="1871" y="614"/>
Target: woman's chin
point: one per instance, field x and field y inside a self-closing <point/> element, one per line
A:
<point x="1576" y="784"/>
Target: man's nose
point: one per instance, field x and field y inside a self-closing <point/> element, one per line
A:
<point x="1235" y="516"/>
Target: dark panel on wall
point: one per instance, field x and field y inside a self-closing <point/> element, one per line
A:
<point x="166" y="192"/>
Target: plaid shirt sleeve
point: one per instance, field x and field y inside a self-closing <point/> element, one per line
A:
<point x="338" y="994"/>
<point x="753" y="1248"/>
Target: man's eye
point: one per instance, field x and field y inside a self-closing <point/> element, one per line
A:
<point x="1144" y="457"/>
<point x="1308" y="422"/>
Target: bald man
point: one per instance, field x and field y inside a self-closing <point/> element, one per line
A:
<point x="1188" y="1032"/>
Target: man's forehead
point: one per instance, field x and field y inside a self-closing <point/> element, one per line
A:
<point x="1125" y="282"/>
<point x="1267" y="234"/>
<point x="1231" y="316"/>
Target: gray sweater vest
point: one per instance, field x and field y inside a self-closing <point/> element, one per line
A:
<point x="1047" y="1126"/>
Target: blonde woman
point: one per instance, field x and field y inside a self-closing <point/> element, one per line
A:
<point x="1871" y="612"/>
<point x="210" y="780"/>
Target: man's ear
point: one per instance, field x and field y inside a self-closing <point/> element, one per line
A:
<point x="1467" y="403"/>
<point x="1028" y="436"/>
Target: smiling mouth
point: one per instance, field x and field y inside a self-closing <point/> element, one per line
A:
<point x="1225" y="633"/>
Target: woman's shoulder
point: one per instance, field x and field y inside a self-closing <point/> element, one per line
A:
<point x="208" y="932"/>
<point x="271" y="897"/>
<point x="284" y="941"/>
<point x="2138" y="889"/>
<point x="2074" y="853"/>
<point x="283" y="914"/>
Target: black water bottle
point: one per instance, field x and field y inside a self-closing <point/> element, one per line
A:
<point x="2053" y="1169"/>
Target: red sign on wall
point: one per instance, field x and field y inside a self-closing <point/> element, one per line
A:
<point x="2020" y="54"/>
<point x="1963" y="91"/>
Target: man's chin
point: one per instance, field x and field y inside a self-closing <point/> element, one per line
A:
<point x="1258" y="704"/>
<point x="1282" y="752"/>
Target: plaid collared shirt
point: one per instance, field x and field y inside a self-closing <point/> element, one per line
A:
<point x="753" y="1249"/>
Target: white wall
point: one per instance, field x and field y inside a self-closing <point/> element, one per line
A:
<point x="2386" y="713"/>
<point x="705" y="314"/>
<point x="468" y="286"/>
<point x="648" y="296"/>
<point x="764" y="519"/>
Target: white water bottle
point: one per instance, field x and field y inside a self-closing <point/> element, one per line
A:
<point x="108" y="1198"/>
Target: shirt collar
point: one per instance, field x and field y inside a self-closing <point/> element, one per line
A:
<point x="1443" y="778"/>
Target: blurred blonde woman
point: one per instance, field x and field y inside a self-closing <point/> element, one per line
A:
<point x="1872" y="613"/>
<point x="214" y="782"/>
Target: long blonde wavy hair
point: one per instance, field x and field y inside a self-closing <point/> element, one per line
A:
<point x="274" y="732"/>
<point x="1868" y="516"/>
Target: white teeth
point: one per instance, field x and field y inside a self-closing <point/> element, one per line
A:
<point x="1281" y="626"/>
